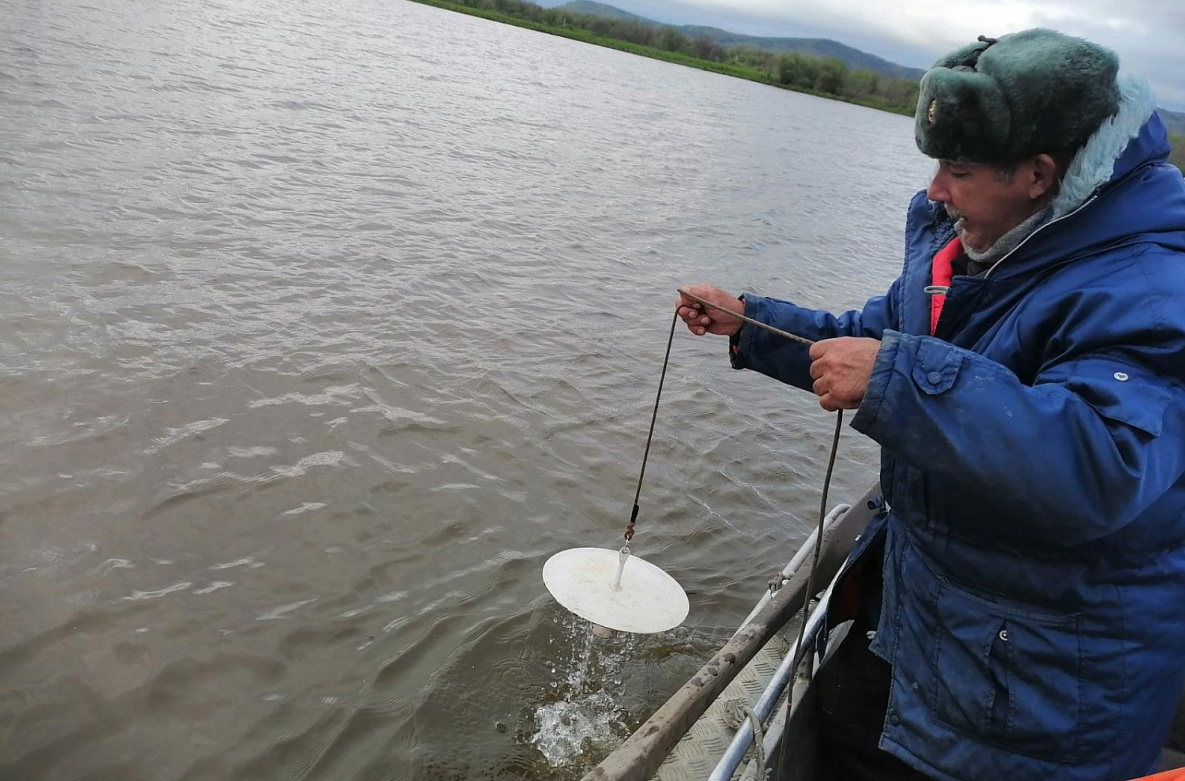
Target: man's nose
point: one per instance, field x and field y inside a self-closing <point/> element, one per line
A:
<point x="937" y="190"/>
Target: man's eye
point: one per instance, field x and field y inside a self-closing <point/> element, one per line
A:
<point x="959" y="174"/>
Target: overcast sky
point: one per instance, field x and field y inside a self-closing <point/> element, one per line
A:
<point x="1148" y="35"/>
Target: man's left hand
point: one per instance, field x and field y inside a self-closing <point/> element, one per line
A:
<point x="841" y="369"/>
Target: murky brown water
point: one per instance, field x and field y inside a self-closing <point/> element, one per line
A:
<point x="324" y="324"/>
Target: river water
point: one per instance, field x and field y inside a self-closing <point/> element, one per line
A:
<point x="324" y="324"/>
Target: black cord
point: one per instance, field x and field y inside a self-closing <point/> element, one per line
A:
<point x="810" y="582"/>
<point x="629" y="528"/>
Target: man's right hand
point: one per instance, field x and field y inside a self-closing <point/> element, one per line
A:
<point x="705" y="320"/>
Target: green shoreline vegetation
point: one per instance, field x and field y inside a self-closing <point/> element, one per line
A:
<point x="825" y="77"/>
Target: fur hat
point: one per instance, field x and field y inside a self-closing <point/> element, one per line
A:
<point x="1001" y="101"/>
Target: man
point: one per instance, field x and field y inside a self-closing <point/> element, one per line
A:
<point x="1019" y="603"/>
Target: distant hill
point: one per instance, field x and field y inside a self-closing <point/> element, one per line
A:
<point x="1174" y="120"/>
<point x="820" y="47"/>
<point x="600" y="9"/>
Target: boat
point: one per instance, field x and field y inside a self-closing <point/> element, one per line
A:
<point x="730" y="719"/>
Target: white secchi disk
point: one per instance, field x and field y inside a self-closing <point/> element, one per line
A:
<point x="649" y="600"/>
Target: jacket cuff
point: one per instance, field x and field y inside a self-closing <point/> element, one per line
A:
<point x="929" y="366"/>
<point x="883" y="370"/>
<point x="740" y="344"/>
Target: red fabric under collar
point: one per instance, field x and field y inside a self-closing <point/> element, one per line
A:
<point x="1171" y="775"/>
<point x="940" y="276"/>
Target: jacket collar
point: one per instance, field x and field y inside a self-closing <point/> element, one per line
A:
<point x="1114" y="149"/>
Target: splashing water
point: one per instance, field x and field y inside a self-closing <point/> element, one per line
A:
<point x="587" y="713"/>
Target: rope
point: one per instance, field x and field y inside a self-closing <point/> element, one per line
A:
<point x="629" y="528"/>
<point x="810" y="582"/>
<point x="758" y="763"/>
<point x="810" y="576"/>
<point x="736" y="713"/>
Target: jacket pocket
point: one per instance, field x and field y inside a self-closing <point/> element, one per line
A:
<point x="1006" y="675"/>
<point x="1122" y="392"/>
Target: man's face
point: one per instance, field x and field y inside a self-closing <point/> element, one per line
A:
<point x="984" y="203"/>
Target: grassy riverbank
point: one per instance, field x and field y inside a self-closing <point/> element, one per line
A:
<point x="823" y="77"/>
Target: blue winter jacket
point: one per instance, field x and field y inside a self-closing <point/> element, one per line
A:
<point x="1033" y="468"/>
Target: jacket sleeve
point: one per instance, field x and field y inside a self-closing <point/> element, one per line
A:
<point x="1084" y="450"/>
<point x="757" y="349"/>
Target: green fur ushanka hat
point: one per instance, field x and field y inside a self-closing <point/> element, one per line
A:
<point x="1001" y="101"/>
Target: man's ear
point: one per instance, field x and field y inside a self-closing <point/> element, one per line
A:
<point x="1042" y="179"/>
